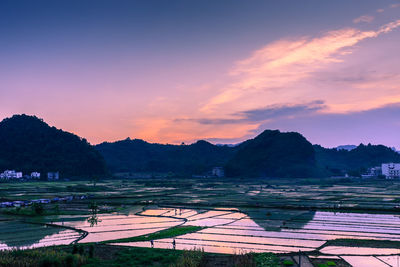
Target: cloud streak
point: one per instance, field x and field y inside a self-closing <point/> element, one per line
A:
<point x="365" y="18"/>
<point x="285" y="62"/>
<point x="272" y="112"/>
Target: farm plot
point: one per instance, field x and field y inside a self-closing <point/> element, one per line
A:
<point x="22" y="235"/>
<point x="232" y="231"/>
<point x="117" y="226"/>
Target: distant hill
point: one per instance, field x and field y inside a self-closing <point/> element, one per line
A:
<point x="28" y="144"/>
<point x="139" y="156"/>
<point x="356" y="160"/>
<point x="274" y="154"/>
<point x="346" y="147"/>
<point x="270" y="154"/>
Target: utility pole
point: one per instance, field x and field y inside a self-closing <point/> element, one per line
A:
<point x="299" y="258"/>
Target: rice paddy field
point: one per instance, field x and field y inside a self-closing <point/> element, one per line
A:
<point x="353" y="222"/>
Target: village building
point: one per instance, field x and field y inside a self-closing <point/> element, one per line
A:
<point x="35" y="175"/>
<point x="10" y="174"/>
<point x="53" y="175"/>
<point x="218" y="172"/>
<point x="391" y="170"/>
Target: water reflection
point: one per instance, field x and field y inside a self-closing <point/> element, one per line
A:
<point x="276" y="230"/>
<point x="103" y="227"/>
<point x="228" y="230"/>
<point x="15" y="234"/>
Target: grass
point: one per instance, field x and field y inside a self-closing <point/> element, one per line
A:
<point x="102" y="255"/>
<point x="326" y="264"/>
<point x="266" y="260"/>
<point x="189" y="258"/>
<point x="41" y="257"/>
<point x="288" y="263"/>
<point x="167" y="233"/>
<point x="141" y="257"/>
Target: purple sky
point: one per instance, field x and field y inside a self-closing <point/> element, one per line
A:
<point x="179" y="71"/>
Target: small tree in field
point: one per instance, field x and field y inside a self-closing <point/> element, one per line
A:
<point x="38" y="208"/>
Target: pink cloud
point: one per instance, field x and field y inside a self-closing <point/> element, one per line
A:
<point x="365" y="18"/>
<point x="285" y="62"/>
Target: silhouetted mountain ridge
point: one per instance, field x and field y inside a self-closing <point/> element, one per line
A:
<point x="139" y="156"/>
<point x="28" y="144"/>
<point x="274" y="154"/>
<point x="356" y="160"/>
<point x="270" y="154"/>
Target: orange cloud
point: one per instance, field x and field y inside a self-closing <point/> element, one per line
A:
<point x="283" y="63"/>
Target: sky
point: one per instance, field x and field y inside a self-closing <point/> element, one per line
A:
<point x="223" y="71"/>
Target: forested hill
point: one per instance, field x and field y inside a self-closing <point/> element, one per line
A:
<point x="270" y="154"/>
<point x="28" y="144"/>
<point x="356" y="160"/>
<point x="139" y="156"/>
<point x="274" y="154"/>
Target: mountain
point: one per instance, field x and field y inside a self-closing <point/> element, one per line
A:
<point x="28" y="144"/>
<point x="356" y="160"/>
<point x="274" y="154"/>
<point x="139" y="156"/>
<point x="270" y="154"/>
<point x="346" y="147"/>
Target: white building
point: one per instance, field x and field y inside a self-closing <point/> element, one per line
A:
<point x="11" y="174"/>
<point x="53" y="175"/>
<point x="372" y="172"/>
<point x="35" y="175"/>
<point x="391" y="170"/>
<point x="218" y="172"/>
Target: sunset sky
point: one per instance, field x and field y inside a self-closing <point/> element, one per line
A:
<point x="224" y="71"/>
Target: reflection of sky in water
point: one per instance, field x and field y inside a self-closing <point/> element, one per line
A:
<point x="340" y="250"/>
<point x="365" y="261"/>
<point x="14" y="234"/>
<point x="114" y="226"/>
<point x="230" y="231"/>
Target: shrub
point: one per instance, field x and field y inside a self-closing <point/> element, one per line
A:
<point x="81" y="250"/>
<point x="266" y="260"/>
<point x="91" y="251"/>
<point x="244" y="260"/>
<point x="288" y="263"/>
<point x="40" y="257"/>
<point x="189" y="258"/>
<point x="74" y="249"/>
<point x="38" y="208"/>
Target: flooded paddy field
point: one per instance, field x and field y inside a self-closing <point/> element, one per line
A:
<point x="17" y="234"/>
<point x="306" y="193"/>
<point x="253" y="216"/>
